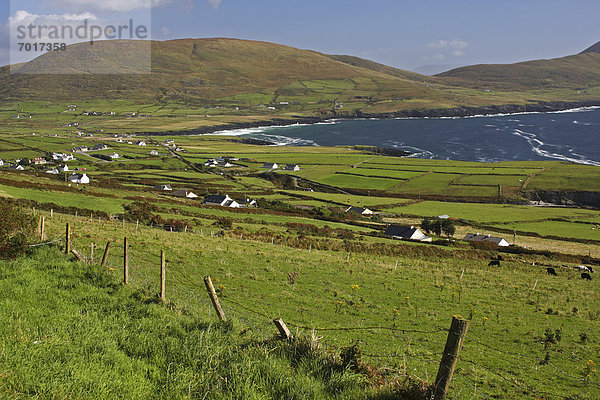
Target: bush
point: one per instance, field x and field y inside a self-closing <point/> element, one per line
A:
<point x="16" y="227"/>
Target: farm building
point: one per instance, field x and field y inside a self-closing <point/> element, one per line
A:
<point x="406" y="232"/>
<point x="52" y="171"/>
<point x="79" y="178"/>
<point x="220" y="200"/>
<point x="291" y="167"/>
<point x="184" y="193"/>
<point x="114" y="155"/>
<point x="140" y="143"/>
<point x="79" y="149"/>
<point x="163" y="187"/>
<point x="269" y="165"/>
<point x="39" y="161"/>
<point x="100" y="146"/>
<point x="1" y="162"/>
<point x="359" y="210"/>
<point x="18" y="167"/>
<point x="476" y="237"/>
<point x="154" y="153"/>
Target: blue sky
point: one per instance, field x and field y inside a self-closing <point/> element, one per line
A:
<point x="404" y="34"/>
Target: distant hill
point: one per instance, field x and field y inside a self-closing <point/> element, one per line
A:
<point x="595" y="48"/>
<point x="433" y="69"/>
<point x="582" y="70"/>
<point x="245" y="72"/>
<point x="197" y="68"/>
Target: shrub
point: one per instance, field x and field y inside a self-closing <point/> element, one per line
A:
<point x="16" y="227"/>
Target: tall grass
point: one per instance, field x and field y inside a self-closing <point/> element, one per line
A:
<point x="68" y="330"/>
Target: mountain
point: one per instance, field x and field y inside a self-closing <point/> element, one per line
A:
<point x="582" y="70"/>
<point x="595" y="48"/>
<point x="433" y="69"/>
<point x="224" y="71"/>
<point x="194" y="68"/>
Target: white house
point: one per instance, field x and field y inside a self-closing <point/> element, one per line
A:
<point x="163" y="187"/>
<point x="486" y="238"/>
<point x="100" y="146"/>
<point x="220" y="200"/>
<point x="18" y="167"/>
<point x="268" y="165"/>
<point x="291" y="167"/>
<point x="359" y="210"/>
<point x="406" y="232"/>
<point x="64" y="168"/>
<point x="79" y="178"/>
<point x="39" y="161"/>
<point x="184" y="193"/>
<point x="140" y="143"/>
<point x="52" y="171"/>
<point x="114" y="155"/>
<point x="1" y="162"/>
<point x="154" y="153"/>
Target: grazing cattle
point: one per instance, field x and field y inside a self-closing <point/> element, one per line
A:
<point x="590" y="269"/>
<point x="585" y="275"/>
<point x="493" y="263"/>
<point x="551" y="271"/>
<point x="500" y="258"/>
<point x="582" y="268"/>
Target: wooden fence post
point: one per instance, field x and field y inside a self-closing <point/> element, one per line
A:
<point x="51" y="212"/>
<point x="92" y="252"/>
<point x="214" y="298"/>
<point x="162" y="275"/>
<point x="105" y="256"/>
<point x="125" y="262"/>
<point x="77" y="255"/>
<point x="42" y="223"/>
<point x="68" y="239"/>
<point x="456" y="336"/>
<point x="282" y="328"/>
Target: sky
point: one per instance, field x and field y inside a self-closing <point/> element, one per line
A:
<point x="402" y="33"/>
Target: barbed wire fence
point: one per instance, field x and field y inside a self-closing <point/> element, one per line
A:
<point x="476" y="353"/>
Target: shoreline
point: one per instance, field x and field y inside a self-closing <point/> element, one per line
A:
<point x="460" y="112"/>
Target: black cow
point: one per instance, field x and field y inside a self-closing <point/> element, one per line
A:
<point x="493" y="263"/>
<point x="591" y="269"/>
<point x="500" y="258"/>
<point x="585" y="275"/>
<point x="551" y="271"/>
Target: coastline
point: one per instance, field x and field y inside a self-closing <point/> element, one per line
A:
<point x="459" y="112"/>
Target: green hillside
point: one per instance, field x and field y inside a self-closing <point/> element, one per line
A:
<point x="253" y="76"/>
<point x="578" y="71"/>
<point x="70" y="330"/>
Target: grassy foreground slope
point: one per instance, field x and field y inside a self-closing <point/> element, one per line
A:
<point x="71" y="331"/>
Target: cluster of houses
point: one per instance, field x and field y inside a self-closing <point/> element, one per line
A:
<point x="410" y="232"/>
<point x="274" y="166"/>
<point x="222" y="162"/>
<point x="211" y="200"/>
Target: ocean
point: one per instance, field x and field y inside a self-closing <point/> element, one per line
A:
<point x="572" y="135"/>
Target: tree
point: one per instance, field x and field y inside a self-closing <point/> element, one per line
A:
<point x="448" y="227"/>
<point x="426" y="225"/>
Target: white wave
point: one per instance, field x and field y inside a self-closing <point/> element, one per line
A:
<point x="536" y="146"/>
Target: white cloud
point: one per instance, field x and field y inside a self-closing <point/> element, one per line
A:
<point x="458" y="53"/>
<point x="108" y="5"/>
<point x="448" y="44"/>
<point x="439" y="57"/>
<point x="215" y="3"/>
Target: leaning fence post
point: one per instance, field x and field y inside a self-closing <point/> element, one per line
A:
<point x="456" y="336"/>
<point x="162" y="275"/>
<point x="105" y="256"/>
<point x="67" y="239"/>
<point x="125" y="262"/>
<point x="77" y="255"/>
<point x="214" y="298"/>
<point x="282" y="328"/>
